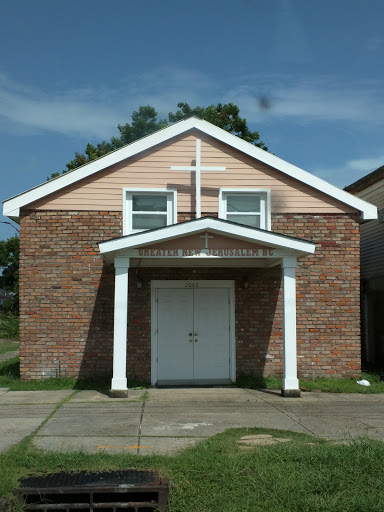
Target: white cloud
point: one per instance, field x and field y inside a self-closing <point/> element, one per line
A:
<point x="366" y="164"/>
<point x="67" y="115"/>
<point x="95" y="112"/>
<point x="325" y="99"/>
<point x="350" y="171"/>
<point x="374" y="43"/>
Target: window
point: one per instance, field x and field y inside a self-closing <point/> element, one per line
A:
<point x="246" y="206"/>
<point x="148" y="209"/>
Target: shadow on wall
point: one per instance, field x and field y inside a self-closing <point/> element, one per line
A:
<point x="258" y="320"/>
<point x="98" y="350"/>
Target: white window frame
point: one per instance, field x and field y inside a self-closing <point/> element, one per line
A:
<point x="127" y="206"/>
<point x="265" y="203"/>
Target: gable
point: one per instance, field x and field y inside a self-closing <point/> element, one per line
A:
<point x="149" y="160"/>
<point x="153" y="170"/>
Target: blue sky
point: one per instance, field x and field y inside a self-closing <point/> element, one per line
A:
<point x="71" y="71"/>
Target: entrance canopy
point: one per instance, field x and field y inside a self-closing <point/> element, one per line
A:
<point x="207" y="241"/>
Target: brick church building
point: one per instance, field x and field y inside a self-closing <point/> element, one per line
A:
<point x="189" y="257"/>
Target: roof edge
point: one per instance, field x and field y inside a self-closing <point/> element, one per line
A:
<point x="366" y="181"/>
<point x="12" y="206"/>
<point x="213" y="224"/>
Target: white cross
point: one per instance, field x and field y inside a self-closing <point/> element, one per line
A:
<point x="206" y="236"/>
<point x="198" y="168"/>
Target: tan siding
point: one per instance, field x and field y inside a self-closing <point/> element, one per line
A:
<point x="374" y="194"/>
<point x="372" y="234"/>
<point x="152" y="170"/>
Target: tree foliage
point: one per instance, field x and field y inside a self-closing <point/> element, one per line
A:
<point x="9" y="278"/>
<point x="145" y="121"/>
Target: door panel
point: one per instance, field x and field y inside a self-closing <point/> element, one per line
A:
<point x="175" y="322"/>
<point x="211" y="322"/>
<point x="203" y="357"/>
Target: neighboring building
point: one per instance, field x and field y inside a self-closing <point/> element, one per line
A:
<point x="202" y="251"/>
<point x="371" y="188"/>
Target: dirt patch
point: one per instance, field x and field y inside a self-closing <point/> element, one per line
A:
<point x="248" y="442"/>
<point x="8" y="340"/>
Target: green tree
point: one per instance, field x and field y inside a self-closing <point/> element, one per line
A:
<point x="224" y="116"/>
<point x="145" y="121"/>
<point x="9" y="278"/>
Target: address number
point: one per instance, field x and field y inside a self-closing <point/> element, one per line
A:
<point x="191" y="285"/>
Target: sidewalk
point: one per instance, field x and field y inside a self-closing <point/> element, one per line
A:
<point x="8" y="355"/>
<point x="172" y="419"/>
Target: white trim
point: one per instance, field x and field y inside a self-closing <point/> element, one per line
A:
<point x="119" y="379"/>
<point x="11" y="205"/>
<point x="171" y="205"/>
<point x="168" y="284"/>
<point x="290" y="381"/>
<point x="110" y="248"/>
<point x="265" y="211"/>
<point x="207" y="262"/>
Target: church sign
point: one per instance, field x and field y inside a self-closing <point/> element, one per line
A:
<point x="206" y="245"/>
<point x="233" y="252"/>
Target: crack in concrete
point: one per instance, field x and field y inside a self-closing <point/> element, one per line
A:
<point x="289" y="416"/>
<point x="140" y="427"/>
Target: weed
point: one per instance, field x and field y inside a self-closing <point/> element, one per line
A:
<point x="8" y="346"/>
<point x="9" y="326"/>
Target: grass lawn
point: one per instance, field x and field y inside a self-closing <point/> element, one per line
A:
<point x="218" y="475"/>
<point x="9" y="326"/>
<point x="8" y="346"/>
<point x="329" y="385"/>
<point x="10" y="378"/>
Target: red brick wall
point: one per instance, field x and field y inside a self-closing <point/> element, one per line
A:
<point x="66" y="294"/>
<point x="328" y="293"/>
<point x="66" y="297"/>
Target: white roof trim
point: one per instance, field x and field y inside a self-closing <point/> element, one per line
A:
<point x="367" y="210"/>
<point x="110" y="248"/>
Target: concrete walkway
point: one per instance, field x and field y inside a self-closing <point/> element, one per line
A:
<point x="9" y="355"/>
<point x="171" y="419"/>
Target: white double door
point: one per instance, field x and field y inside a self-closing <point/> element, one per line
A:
<point x="193" y="336"/>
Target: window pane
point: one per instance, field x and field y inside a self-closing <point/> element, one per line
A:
<point x="148" y="221"/>
<point x="243" y="203"/>
<point x="248" y="220"/>
<point x="149" y="203"/>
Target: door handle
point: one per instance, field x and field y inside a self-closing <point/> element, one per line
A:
<point x="190" y="334"/>
<point x="196" y="333"/>
<point x="196" y="341"/>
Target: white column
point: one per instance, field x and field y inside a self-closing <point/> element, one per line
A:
<point x="290" y="383"/>
<point x="119" y="386"/>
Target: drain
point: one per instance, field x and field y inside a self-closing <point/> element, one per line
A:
<point x="112" y="491"/>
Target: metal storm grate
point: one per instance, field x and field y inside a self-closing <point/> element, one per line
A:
<point x="112" y="491"/>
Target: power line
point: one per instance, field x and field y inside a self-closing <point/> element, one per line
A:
<point x="14" y="227"/>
